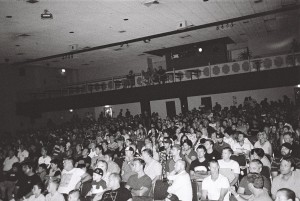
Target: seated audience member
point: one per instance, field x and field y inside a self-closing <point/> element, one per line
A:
<point x="140" y="184"/>
<point x="180" y="178"/>
<point x="288" y="137"/>
<point x="258" y="153"/>
<point x="220" y="145"/>
<point x="70" y="177"/>
<point x="104" y="166"/>
<point x="9" y="161"/>
<point x="215" y="186"/>
<point x="152" y="167"/>
<point x="286" y="150"/>
<point x="172" y="197"/>
<point x="25" y="185"/>
<point x="288" y="178"/>
<point x="54" y="172"/>
<point x="112" y="167"/>
<point x="42" y="172"/>
<point x="187" y="153"/>
<point x="200" y="165"/>
<point x="115" y="192"/>
<point x="44" y="158"/>
<point x="8" y="185"/>
<point x="127" y="166"/>
<point x="242" y="146"/>
<point x="229" y="168"/>
<point x="23" y="154"/>
<point x="98" y="184"/>
<point x="255" y="166"/>
<point x="53" y="194"/>
<point x="84" y="158"/>
<point x="74" y="195"/>
<point x="165" y="154"/>
<point x="228" y="137"/>
<point x="264" y="144"/>
<point x="285" y="194"/>
<point x="175" y="156"/>
<point x="92" y="147"/>
<point x="256" y="186"/>
<point x="37" y="192"/>
<point x="99" y="156"/>
<point x="211" y="153"/>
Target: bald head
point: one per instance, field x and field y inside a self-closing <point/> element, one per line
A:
<point x="180" y="166"/>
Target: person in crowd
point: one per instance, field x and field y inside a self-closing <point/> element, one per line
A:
<point x="25" y="185"/>
<point x="175" y="156"/>
<point x="220" y="145"/>
<point x="111" y="165"/>
<point x="53" y="194"/>
<point x="288" y="178"/>
<point x="114" y="190"/>
<point x="264" y="144"/>
<point x="199" y="166"/>
<point x="131" y="79"/>
<point x="84" y="159"/>
<point x="23" y="154"/>
<point x="152" y="167"/>
<point x="102" y="164"/>
<point x="74" y="195"/>
<point x="140" y="184"/>
<point x="258" y="153"/>
<point x="211" y="153"/>
<point x="215" y="186"/>
<point x="180" y="178"/>
<point x="285" y="194"/>
<point x="286" y="150"/>
<point x="70" y="177"/>
<point x="99" y="156"/>
<point x="37" y="191"/>
<point x="127" y="166"/>
<point x="8" y="185"/>
<point x="228" y="167"/>
<point x="42" y="172"/>
<point x="9" y="161"/>
<point x="165" y="154"/>
<point x="78" y="152"/>
<point x="288" y="137"/>
<point x="242" y="146"/>
<point x="98" y="184"/>
<point x="92" y="147"/>
<point x="256" y="186"/>
<point x="255" y="166"/>
<point x="44" y="158"/>
<point x="187" y="153"/>
<point x="55" y="171"/>
<point x="162" y="76"/>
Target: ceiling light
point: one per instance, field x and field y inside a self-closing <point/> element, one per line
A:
<point x="200" y="49"/>
<point x="46" y="15"/>
<point x="70" y="110"/>
<point x="63" y="70"/>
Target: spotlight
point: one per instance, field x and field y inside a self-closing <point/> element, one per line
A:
<point x="200" y="49"/>
<point x="63" y="70"/>
<point x="70" y="110"/>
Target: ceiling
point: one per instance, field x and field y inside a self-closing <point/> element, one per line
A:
<point x="86" y="24"/>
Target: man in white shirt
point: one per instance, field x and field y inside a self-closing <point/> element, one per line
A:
<point x="9" y="161"/>
<point x="181" y="185"/>
<point x="22" y="153"/>
<point x="215" y="186"/>
<point x="53" y="195"/>
<point x="44" y="158"/>
<point x="70" y="177"/>
<point x="242" y="146"/>
<point x="229" y="168"/>
<point x="152" y="168"/>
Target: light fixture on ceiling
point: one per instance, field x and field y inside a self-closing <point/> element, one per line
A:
<point x="150" y="2"/>
<point x="70" y="110"/>
<point x="46" y="15"/>
<point x="200" y="49"/>
<point x="147" y="40"/>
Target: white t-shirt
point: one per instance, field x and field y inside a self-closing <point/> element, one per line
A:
<point x="56" y="197"/>
<point x="153" y="169"/>
<point x="46" y="160"/>
<point x="8" y="162"/>
<point x="228" y="169"/>
<point x="181" y="186"/>
<point x="22" y="155"/>
<point x="213" y="188"/>
<point x="69" y="179"/>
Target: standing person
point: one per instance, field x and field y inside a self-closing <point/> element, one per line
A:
<point x="215" y="186"/>
<point x="229" y="168"/>
<point x="140" y="183"/>
<point x="152" y="167"/>
<point x="114" y="191"/>
<point x="179" y="179"/>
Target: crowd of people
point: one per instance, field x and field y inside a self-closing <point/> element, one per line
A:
<point x="245" y="152"/>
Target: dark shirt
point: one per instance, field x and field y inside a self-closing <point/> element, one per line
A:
<point x="121" y="194"/>
<point x="196" y="165"/>
<point x="26" y="184"/>
<point x="275" y="165"/>
<point x="86" y="159"/>
<point x="219" y="148"/>
<point x="212" y="156"/>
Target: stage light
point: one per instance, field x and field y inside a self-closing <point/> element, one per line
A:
<point x="70" y="110"/>
<point x="63" y="70"/>
<point x="200" y="49"/>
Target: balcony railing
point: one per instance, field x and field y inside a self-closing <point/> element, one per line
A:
<point x="203" y="72"/>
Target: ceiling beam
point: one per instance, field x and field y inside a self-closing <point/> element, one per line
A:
<point x="193" y="28"/>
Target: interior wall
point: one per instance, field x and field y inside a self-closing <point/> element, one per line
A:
<point x="227" y="99"/>
<point x="159" y="106"/>
<point x="134" y="108"/>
